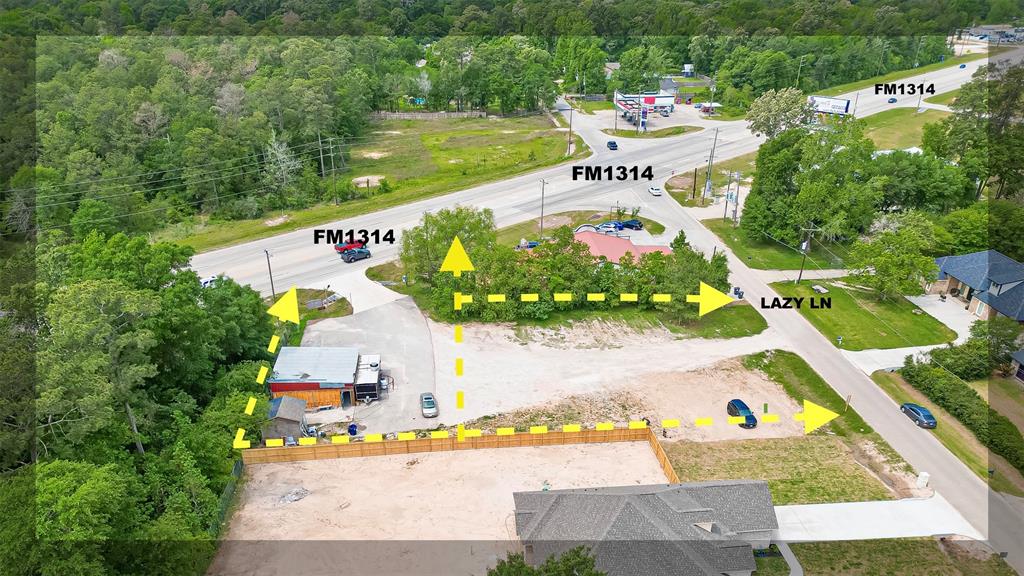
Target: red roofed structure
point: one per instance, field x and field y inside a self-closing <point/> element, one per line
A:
<point x="614" y="248"/>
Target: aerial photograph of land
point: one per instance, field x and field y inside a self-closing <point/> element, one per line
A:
<point x="512" y="288"/>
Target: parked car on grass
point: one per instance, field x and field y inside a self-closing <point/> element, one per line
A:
<point x="919" y="414"/>
<point x="737" y="407"/>
<point x="428" y="406"/>
<point x="633" y="224"/>
<point x="355" y="254"/>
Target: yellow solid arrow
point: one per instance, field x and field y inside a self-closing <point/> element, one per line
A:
<point x="287" y="308"/>
<point x="457" y="261"/>
<point x="709" y="299"/>
<point x="814" y="416"/>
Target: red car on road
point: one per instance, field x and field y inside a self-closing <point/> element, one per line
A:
<point x="342" y="248"/>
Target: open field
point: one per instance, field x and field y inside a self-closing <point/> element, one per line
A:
<point x="530" y="230"/>
<point x="899" y="128"/>
<point x="864" y="321"/>
<point x="419" y="159"/>
<point x="946" y="98"/>
<point x="955" y="436"/>
<point x="767" y="254"/>
<point x="907" y="557"/>
<point x="900" y="74"/>
<point x="659" y="133"/>
<point x="680" y="186"/>
<point x="1004" y="395"/>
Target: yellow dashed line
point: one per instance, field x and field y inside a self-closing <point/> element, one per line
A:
<point x="495" y="297"/>
<point x="458" y="366"/>
<point x="661" y="297"/>
<point x="460" y="433"/>
<point x="460" y="399"/>
<point x="670" y="423"/>
<point x="307" y="441"/>
<point x="563" y="296"/>
<point x="275" y="442"/>
<point x="595" y="297"/>
<point x="406" y="435"/>
<point x="538" y="429"/>
<point x="339" y="439"/>
<point x="274" y="341"/>
<point x="703" y="422"/>
<point x="458" y="333"/>
<point x="628" y="297"/>
<point x="737" y="419"/>
<point x="571" y="428"/>
<point x="373" y="438"/>
<point x="506" y="431"/>
<point x="240" y="443"/>
<point x="250" y="406"/>
<point x="605" y="425"/>
<point x="474" y="433"/>
<point x="529" y="297"/>
<point x="262" y="375"/>
<point x="438" y="434"/>
<point x="637" y="424"/>
<point x="770" y="418"/>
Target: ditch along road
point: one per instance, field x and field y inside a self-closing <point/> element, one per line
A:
<point x="297" y="261"/>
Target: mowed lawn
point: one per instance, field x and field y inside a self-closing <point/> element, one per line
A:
<point x="899" y="128"/>
<point x="905" y="556"/>
<point x="767" y="254"/>
<point x="681" y="188"/>
<point x="659" y="133"/>
<point x="955" y="436"/>
<point x="866" y="322"/>
<point x="419" y="159"/>
<point x="530" y="230"/>
<point x="946" y="98"/>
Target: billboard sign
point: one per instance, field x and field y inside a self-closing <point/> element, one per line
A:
<point x="827" y="105"/>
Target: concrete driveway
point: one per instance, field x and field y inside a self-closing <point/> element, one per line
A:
<point x="398" y="332"/>
<point x="951" y="313"/>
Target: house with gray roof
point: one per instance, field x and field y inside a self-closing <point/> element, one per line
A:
<point x="693" y="529"/>
<point x="987" y="283"/>
<point x="286" y="417"/>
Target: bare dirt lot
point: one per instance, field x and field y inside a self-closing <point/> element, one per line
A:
<point x="440" y="496"/>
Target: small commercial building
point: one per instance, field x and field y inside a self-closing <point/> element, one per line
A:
<point x="287" y="418"/>
<point x="325" y="376"/>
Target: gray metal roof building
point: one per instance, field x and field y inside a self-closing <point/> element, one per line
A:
<point x="327" y="365"/>
<point x="696" y="529"/>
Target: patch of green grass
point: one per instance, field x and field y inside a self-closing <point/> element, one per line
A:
<point x="1004" y="395"/>
<point x="733" y="321"/>
<point x="901" y="74"/>
<point x="590" y="106"/>
<point x="680" y="186"/>
<point x="945" y="99"/>
<point x="906" y="556"/>
<point x="341" y="307"/>
<point x="425" y="158"/>
<point x="771" y="566"/>
<point x="899" y="128"/>
<point x="660" y="133"/>
<point x="799" y="470"/>
<point x="511" y="235"/>
<point x="866" y="322"/>
<point x="391" y="273"/>
<point x="766" y="254"/>
<point x="955" y="436"/>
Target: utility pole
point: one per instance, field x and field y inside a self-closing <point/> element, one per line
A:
<point x="711" y="160"/>
<point x="320" y="147"/>
<point x="693" y="195"/>
<point x="728" y="186"/>
<point x="920" y="94"/>
<point x="334" y="183"/>
<point x="543" y="183"/>
<point x="736" y="202"/>
<point x="270" y="272"/>
<point x="805" y="248"/>
<point x="917" y="49"/>
<point x="798" y="68"/>
<point x="856" y="98"/>
<point x="569" y="147"/>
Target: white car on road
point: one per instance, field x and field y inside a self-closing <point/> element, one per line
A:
<point x="655" y="190"/>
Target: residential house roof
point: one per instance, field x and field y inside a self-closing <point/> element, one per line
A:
<point x="316" y="364"/>
<point x="287" y="408"/>
<point x="680" y="529"/>
<point x="614" y="248"/>
<point x="983" y="270"/>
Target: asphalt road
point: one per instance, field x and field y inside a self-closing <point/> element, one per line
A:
<point x="297" y="261"/>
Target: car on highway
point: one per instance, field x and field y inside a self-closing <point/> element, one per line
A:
<point x="663" y="113"/>
<point x="891" y="100"/>
<point x="919" y="414"/>
<point x="207" y="282"/>
<point x="355" y="255"/>
<point x="613" y="145"/>
<point x="342" y="248"/>
<point x="428" y="405"/>
<point x="737" y="407"/>
<point x="633" y="224"/>
<point x="655" y="190"/>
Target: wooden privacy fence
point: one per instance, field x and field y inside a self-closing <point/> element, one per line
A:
<point x="428" y="115"/>
<point x="518" y="440"/>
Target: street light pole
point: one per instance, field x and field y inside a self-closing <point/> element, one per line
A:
<point x="271" y="274"/>
<point x="543" y="183"/>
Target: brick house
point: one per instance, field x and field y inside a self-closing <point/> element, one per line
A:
<point x="987" y="283"/>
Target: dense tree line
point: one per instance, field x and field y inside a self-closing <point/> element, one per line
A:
<point x="140" y="381"/>
<point x="560" y="264"/>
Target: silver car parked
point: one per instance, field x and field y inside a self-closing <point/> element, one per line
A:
<point x="428" y="405"/>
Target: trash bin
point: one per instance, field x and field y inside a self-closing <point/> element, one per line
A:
<point x="353" y="429"/>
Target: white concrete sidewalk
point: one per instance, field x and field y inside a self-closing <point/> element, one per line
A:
<point x="769" y="276"/>
<point x="884" y="359"/>
<point x="907" y="518"/>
